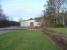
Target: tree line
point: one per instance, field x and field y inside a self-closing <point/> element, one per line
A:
<point x="55" y="13"/>
<point x="7" y="23"/>
<point x="4" y="22"/>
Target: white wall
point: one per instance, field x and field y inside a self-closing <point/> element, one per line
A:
<point x="27" y="23"/>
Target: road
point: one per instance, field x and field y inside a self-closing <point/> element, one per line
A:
<point x="5" y="30"/>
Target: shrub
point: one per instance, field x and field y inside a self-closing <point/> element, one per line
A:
<point x="59" y="25"/>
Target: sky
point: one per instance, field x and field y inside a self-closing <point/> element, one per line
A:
<point x="25" y="9"/>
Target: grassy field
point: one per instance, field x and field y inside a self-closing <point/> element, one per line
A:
<point x="26" y="40"/>
<point x="62" y="30"/>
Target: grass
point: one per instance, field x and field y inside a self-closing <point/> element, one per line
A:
<point x="61" y="30"/>
<point x="26" y="40"/>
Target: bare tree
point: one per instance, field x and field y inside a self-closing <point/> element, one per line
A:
<point x="59" y="4"/>
<point x="53" y="12"/>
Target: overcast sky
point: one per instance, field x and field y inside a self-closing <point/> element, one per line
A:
<point x="24" y="9"/>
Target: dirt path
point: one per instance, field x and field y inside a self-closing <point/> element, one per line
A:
<point x="60" y="39"/>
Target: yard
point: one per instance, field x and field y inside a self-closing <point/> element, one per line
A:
<point x="61" y="30"/>
<point x="26" y="40"/>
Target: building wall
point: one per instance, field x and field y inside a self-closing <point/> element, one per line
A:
<point x="28" y="23"/>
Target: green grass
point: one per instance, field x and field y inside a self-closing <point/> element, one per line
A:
<point x="26" y="40"/>
<point x="61" y="30"/>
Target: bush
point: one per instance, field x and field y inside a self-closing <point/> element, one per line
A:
<point x="59" y="25"/>
<point x="36" y="27"/>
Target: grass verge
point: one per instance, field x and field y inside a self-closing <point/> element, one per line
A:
<point x="26" y="40"/>
<point x="60" y="30"/>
